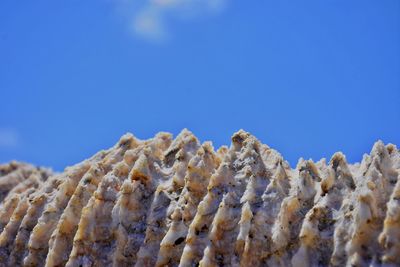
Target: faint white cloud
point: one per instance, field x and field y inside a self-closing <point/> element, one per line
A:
<point x="150" y="18"/>
<point x="149" y="23"/>
<point x="9" y="138"/>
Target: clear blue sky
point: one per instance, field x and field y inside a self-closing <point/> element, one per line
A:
<point x="306" y="77"/>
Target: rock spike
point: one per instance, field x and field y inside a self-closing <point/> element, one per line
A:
<point x="200" y="168"/>
<point x="258" y="247"/>
<point x="220" y="182"/>
<point x="9" y="233"/>
<point x="247" y="186"/>
<point x="166" y="196"/>
<point x="38" y="242"/>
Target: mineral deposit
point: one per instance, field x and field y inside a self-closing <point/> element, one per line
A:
<point x="177" y="202"/>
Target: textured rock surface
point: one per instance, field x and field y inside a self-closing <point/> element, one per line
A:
<point x="176" y="202"/>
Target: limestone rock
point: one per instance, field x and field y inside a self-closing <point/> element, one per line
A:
<point x="177" y="202"/>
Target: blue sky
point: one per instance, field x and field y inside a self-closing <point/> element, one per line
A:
<point x="306" y="77"/>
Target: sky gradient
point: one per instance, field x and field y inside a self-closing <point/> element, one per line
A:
<point x="308" y="78"/>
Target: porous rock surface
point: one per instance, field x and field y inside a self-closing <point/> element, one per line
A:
<point x="177" y="202"/>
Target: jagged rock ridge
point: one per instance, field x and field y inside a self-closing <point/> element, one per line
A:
<point x="176" y="202"/>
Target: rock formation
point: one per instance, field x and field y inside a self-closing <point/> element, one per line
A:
<point x="177" y="202"/>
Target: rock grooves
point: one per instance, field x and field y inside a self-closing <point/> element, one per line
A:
<point x="177" y="202"/>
